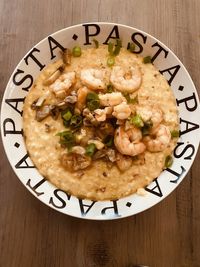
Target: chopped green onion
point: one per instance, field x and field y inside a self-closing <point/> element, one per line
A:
<point x="168" y="161"/>
<point x="116" y="51"/>
<point x="137" y="121"/>
<point x="110" y="61"/>
<point x="147" y="59"/>
<point x="131" y="47"/>
<point x="175" y="133"/>
<point x="76" y="121"/>
<point x="76" y="51"/>
<point x="96" y="43"/>
<point x="147" y="127"/>
<point x="117" y="47"/>
<point x="109" y="140"/>
<point x="131" y="100"/>
<point x="66" y="138"/>
<point x="110" y="48"/>
<point x="67" y="116"/>
<point x="92" y="101"/>
<point x="110" y="88"/>
<point x="134" y="100"/>
<point x="92" y="96"/>
<point x="90" y="149"/>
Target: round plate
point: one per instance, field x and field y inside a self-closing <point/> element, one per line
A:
<point x="46" y="52"/>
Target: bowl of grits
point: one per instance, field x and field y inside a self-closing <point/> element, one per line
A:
<point x="100" y="121"/>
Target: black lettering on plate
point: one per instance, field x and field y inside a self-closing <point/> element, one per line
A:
<point x="137" y="43"/>
<point x="16" y="101"/>
<point x="62" y="201"/>
<point x="23" y="164"/>
<point x="156" y="190"/>
<point x="35" y="187"/>
<point x="189" y="147"/>
<point x="30" y="55"/>
<point x="178" y="175"/>
<point x="190" y="99"/>
<point x="82" y="207"/>
<point x="88" y="33"/>
<point x="9" y="127"/>
<point x="113" y="207"/>
<point x="172" y="74"/>
<point x="115" y="30"/>
<point x="22" y="80"/>
<point x="189" y="126"/>
<point x="52" y="48"/>
<point x="160" y="49"/>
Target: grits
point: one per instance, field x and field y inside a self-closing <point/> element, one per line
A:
<point x="102" y="180"/>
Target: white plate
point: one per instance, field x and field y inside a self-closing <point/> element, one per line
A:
<point x="47" y="51"/>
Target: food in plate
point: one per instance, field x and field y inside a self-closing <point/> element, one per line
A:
<point x="101" y="123"/>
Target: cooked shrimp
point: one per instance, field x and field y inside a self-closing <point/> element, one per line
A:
<point x="123" y="162"/>
<point x="122" y="111"/>
<point x="150" y="113"/>
<point x="129" y="142"/>
<point x="126" y="81"/>
<point x="93" y="78"/>
<point x="101" y="114"/>
<point x="111" y="99"/>
<point x="81" y="97"/>
<point x="161" y="141"/>
<point x="63" y="83"/>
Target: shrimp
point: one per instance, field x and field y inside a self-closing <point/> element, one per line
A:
<point x="126" y="82"/>
<point x="122" y="111"/>
<point x="123" y="162"/>
<point x="161" y="141"/>
<point x="150" y="113"/>
<point x="129" y="142"/>
<point x="93" y="78"/>
<point x="81" y="97"/>
<point x="63" y="84"/>
<point x="111" y="99"/>
<point x="101" y="114"/>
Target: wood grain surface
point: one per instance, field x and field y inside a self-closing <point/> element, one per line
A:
<point x="31" y="234"/>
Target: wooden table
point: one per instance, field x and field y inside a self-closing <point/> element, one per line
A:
<point x="31" y="234"/>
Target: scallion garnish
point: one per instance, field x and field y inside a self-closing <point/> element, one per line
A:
<point x="92" y="101"/>
<point x="96" y="43"/>
<point x="147" y="60"/>
<point x="109" y="140"/>
<point x="90" y="149"/>
<point x="76" y="51"/>
<point x="76" y="121"/>
<point x="110" y="88"/>
<point x="175" y="133"/>
<point x="168" y="161"/>
<point x="137" y="121"/>
<point x="67" y="138"/>
<point x="110" y="61"/>
<point x="131" y="47"/>
<point x="67" y="115"/>
<point x="147" y="127"/>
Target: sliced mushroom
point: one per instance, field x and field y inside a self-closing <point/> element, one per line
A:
<point x="66" y="56"/>
<point x="54" y="76"/>
<point x="100" y="154"/>
<point x="74" y="162"/>
<point x="54" y="111"/>
<point x="104" y="129"/>
<point x="111" y="153"/>
<point x="42" y="113"/>
<point x="78" y="150"/>
<point x="71" y="99"/>
<point x="107" y="153"/>
<point x="99" y="145"/>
